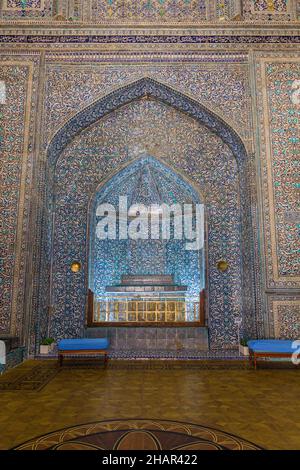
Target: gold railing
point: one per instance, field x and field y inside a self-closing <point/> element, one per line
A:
<point x="122" y="310"/>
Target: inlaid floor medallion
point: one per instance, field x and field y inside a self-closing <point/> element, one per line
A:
<point x="138" y="434"/>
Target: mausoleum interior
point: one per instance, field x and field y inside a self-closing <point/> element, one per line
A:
<point x="150" y="222"/>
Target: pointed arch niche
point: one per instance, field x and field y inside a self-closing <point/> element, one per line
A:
<point x="146" y="118"/>
<point x="125" y="274"/>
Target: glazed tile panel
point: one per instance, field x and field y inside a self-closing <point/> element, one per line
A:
<point x="285" y="317"/>
<point x="12" y="130"/>
<point x="26" y="9"/>
<point x="147" y="182"/>
<point x="278" y="6"/>
<point x="269" y="10"/>
<point x="23" y="4"/>
<point x="222" y="87"/>
<point x="280" y="82"/>
<point x="148" y="10"/>
<point x="187" y="147"/>
<point x="115" y="12"/>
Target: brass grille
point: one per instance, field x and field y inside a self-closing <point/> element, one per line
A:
<point x="123" y="310"/>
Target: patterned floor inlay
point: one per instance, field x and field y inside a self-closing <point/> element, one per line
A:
<point x="31" y="379"/>
<point x="37" y="377"/>
<point x="259" y="406"/>
<point x="138" y="434"/>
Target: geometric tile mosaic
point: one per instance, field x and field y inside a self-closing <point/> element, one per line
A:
<point x="148" y="10"/>
<point x="223" y="88"/>
<point x="69" y="88"/>
<point x="17" y="79"/>
<point x="26" y="9"/>
<point x="146" y="181"/>
<point x="279" y="81"/>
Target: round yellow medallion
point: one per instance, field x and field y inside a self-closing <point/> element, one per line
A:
<point x="75" y="267"/>
<point x="222" y="266"/>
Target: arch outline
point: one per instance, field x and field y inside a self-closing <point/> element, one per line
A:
<point x="136" y="90"/>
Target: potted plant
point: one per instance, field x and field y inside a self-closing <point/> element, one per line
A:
<point x="46" y="345"/>
<point x="243" y="347"/>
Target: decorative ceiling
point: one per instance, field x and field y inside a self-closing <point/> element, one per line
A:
<point x="149" y="12"/>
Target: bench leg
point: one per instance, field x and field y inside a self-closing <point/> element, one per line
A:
<point x="249" y="358"/>
<point x="60" y="359"/>
<point x="105" y="359"/>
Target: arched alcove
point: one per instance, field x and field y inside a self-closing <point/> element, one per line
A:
<point x="149" y="183"/>
<point x="147" y="117"/>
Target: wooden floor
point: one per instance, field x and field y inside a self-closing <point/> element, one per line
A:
<point x="260" y="406"/>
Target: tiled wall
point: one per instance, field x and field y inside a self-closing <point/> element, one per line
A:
<point x="153" y="339"/>
<point x="147" y="182"/>
<point x="279" y="107"/>
<point x="149" y="11"/>
<point x="188" y="148"/>
<point x="72" y="81"/>
<point x="19" y="77"/>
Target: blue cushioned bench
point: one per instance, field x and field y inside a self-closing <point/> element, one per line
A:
<point x="83" y="347"/>
<point x="270" y="348"/>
